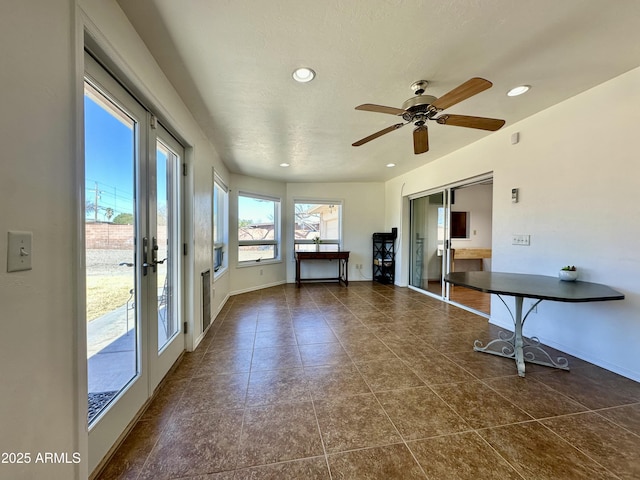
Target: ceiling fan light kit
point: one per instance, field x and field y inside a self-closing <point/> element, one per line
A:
<point x="421" y="108"/>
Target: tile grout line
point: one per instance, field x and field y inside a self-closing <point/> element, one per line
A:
<point x="245" y="405"/>
<point x="513" y="467"/>
<point x="404" y="442"/>
<point x="315" y="413"/>
<point x="578" y="449"/>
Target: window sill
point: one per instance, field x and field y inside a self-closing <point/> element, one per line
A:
<point x="253" y="263"/>
<point x="220" y="273"/>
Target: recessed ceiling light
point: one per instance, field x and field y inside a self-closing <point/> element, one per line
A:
<point x="519" y="90"/>
<point x="390" y="165"/>
<point x="303" y="74"/>
<point x="284" y="164"/>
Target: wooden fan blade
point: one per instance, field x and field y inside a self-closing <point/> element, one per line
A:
<point x="467" y="89"/>
<point x="482" y="123"/>
<point x="420" y="140"/>
<point x="370" y="107"/>
<point x="377" y="134"/>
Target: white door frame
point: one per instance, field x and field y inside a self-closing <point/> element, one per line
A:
<point x="114" y="420"/>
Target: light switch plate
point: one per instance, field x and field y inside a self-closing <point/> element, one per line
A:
<point x="19" y="252"/>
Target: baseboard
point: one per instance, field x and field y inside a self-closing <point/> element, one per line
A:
<point x="625" y="372"/>
<point x="258" y="287"/>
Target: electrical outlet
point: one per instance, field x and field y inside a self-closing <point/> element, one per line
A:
<point x="522" y="240"/>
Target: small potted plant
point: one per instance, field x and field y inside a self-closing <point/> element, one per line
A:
<point x="568" y="273"/>
<point x="317" y="241"/>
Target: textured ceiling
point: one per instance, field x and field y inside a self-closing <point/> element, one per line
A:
<point x="231" y="62"/>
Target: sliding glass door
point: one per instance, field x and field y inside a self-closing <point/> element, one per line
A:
<point x="132" y="252"/>
<point x="451" y="230"/>
<point x="429" y="242"/>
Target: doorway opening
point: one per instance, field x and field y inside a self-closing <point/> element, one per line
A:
<point x="451" y="231"/>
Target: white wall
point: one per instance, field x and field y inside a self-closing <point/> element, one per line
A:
<point x="40" y="385"/>
<point x="577" y="172"/>
<point x="476" y="200"/>
<point x="362" y="215"/>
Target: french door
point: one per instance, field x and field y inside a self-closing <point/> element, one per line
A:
<point x="132" y="256"/>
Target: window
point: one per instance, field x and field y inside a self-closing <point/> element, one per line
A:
<point x="220" y="224"/>
<point x="258" y="228"/>
<point x="318" y="226"/>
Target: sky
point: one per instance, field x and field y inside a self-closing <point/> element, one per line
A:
<point x="259" y="211"/>
<point x="109" y="162"/>
<point x="109" y="168"/>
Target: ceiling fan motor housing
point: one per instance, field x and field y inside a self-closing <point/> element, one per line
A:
<point x="421" y="108"/>
<point x="416" y="105"/>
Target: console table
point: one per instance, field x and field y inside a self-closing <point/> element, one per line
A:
<point x="539" y="288"/>
<point x="469" y="254"/>
<point x="341" y="257"/>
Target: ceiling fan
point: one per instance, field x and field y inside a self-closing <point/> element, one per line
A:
<point x="419" y="109"/>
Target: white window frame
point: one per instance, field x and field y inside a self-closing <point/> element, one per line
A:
<point x="323" y="240"/>
<point x="277" y="201"/>
<point x="220" y="225"/>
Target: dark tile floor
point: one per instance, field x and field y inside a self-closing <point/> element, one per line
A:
<point x="374" y="382"/>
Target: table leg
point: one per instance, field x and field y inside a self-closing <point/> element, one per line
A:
<point x="297" y="273"/>
<point x="345" y="272"/>
<point x="516" y="346"/>
<point x="518" y="337"/>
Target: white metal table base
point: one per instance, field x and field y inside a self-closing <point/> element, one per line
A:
<point x="514" y="345"/>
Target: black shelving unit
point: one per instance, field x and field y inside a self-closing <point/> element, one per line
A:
<point x="384" y="257"/>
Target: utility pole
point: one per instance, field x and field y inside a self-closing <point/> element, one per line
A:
<point x="95" y="211"/>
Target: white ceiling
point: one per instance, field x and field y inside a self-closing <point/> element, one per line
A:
<point x="231" y="61"/>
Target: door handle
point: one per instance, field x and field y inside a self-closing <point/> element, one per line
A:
<point x="145" y="265"/>
<point x="154" y="256"/>
<point x="154" y="253"/>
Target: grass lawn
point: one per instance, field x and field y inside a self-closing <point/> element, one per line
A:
<point x="106" y="293"/>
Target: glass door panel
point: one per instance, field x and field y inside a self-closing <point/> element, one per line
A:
<point x="428" y="242"/>
<point x="164" y="228"/>
<point x="110" y="242"/>
<point x="471" y="239"/>
<point x="167" y="166"/>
